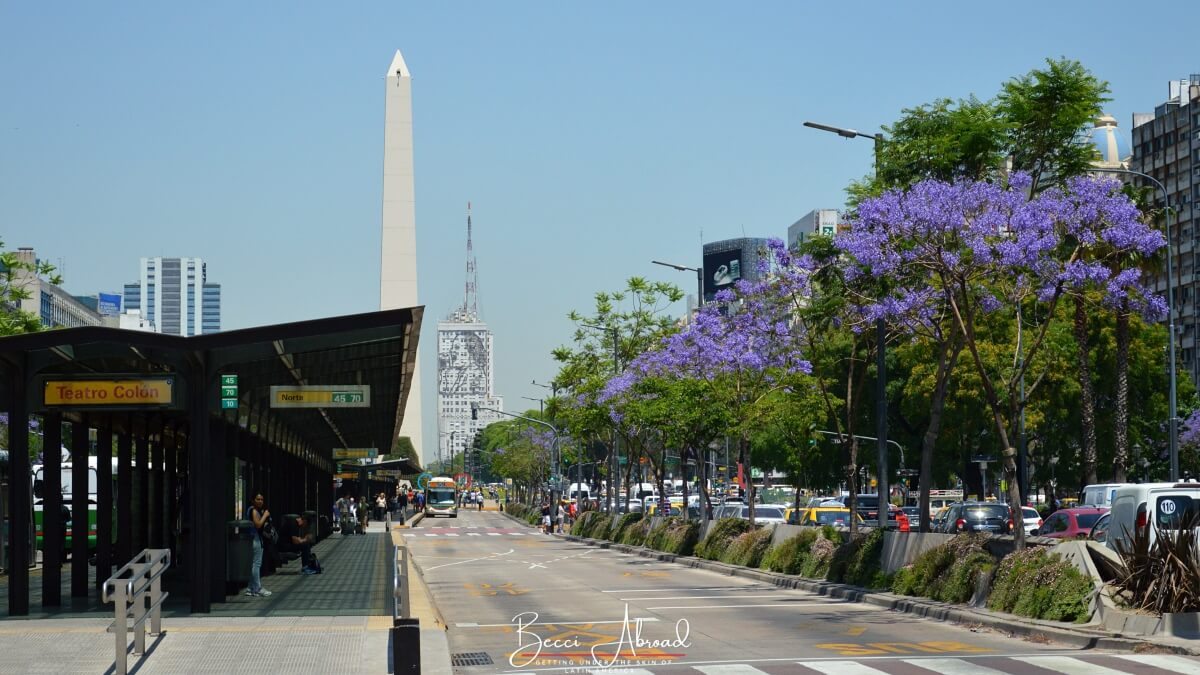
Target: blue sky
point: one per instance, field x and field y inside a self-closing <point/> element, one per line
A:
<point x="590" y="137"/>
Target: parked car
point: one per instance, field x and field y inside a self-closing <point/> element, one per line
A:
<point x="1033" y="519"/>
<point x="1100" y="529"/>
<point x="1070" y="523"/>
<point x="823" y="515"/>
<point x="763" y="514"/>
<point x="1153" y="507"/>
<point x="977" y="517"/>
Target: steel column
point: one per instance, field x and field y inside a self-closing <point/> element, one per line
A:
<point x="80" y="525"/>
<point x="52" y="521"/>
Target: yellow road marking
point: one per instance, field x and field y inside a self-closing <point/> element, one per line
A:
<point x="886" y="648"/>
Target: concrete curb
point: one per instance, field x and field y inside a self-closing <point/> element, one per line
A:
<point x="1081" y="637"/>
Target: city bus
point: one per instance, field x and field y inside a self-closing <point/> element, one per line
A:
<point x="441" y="497"/>
<point x="67" y="492"/>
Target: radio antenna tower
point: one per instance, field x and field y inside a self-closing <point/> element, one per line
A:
<point x="470" y="300"/>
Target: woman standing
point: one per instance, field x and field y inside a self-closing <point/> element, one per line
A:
<point x="258" y="515"/>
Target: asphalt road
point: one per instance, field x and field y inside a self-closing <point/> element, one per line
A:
<point x="516" y="600"/>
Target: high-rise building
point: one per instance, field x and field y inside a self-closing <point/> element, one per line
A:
<point x="819" y="221"/>
<point x="398" y="247"/>
<point x="174" y="296"/>
<point x="52" y="305"/>
<point x="1166" y="146"/>
<point x="465" y="373"/>
<point x="726" y="262"/>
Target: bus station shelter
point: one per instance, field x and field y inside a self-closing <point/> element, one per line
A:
<point x="182" y="432"/>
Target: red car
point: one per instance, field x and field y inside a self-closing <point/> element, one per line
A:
<point x="1069" y="523"/>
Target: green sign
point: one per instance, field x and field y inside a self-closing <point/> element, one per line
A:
<point x="229" y="392"/>
<point x="229" y="380"/>
<point x="229" y="404"/>
<point x="346" y="397"/>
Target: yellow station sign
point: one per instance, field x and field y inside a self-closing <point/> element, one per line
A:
<point x="324" y="396"/>
<point x="143" y="391"/>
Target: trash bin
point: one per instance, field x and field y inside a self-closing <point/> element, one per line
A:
<point x="239" y="551"/>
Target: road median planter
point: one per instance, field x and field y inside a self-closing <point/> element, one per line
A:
<point x="1091" y="636"/>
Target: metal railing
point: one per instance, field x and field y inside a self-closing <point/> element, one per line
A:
<point x="400" y="589"/>
<point x="136" y="591"/>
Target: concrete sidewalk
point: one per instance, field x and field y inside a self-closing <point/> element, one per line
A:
<point x="336" y="622"/>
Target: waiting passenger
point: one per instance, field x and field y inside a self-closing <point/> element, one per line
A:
<point x="296" y="537"/>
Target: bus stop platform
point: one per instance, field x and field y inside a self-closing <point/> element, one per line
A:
<point x="337" y="621"/>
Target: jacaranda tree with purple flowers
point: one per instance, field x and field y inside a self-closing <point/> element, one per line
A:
<point x="740" y="349"/>
<point x="971" y="249"/>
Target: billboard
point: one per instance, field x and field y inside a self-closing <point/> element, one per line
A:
<point x="721" y="269"/>
<point x="108" y="304"/>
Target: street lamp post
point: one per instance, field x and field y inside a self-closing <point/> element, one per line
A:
<point x="554" y="459"/>
<point x="1172" y="412"/>
<point x="540" y="401"/>
<point x="881" y="423"/>
<point x="684" y="268"/>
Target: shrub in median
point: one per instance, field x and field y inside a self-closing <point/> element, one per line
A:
<point x="790" y="555"/>
<point x="720" y="536"/>
<point x="747" y="548"/>
<point x="1041" y="585"/>
<point x="635" y="533"/>
<point x="585" y="523"/>
<point x="949" y="572"/>
<point x="858" y="562"/>
<point x="674" y="535"/>
<point x="820" y="556"/>
<point x="617" y="533"/>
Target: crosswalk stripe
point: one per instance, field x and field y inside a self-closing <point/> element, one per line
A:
<point x="841" y="668"/>
<point x="731" y="669"/>
<point x="493" y="534"/>
<point x="431" y="535"/>
<point x="1175" y="664"/>
<point x="472" y="534"/>
<point x="1067" y="665"/>
<point x="953" y="667"/>
<point x="451" y="534"/>
<point x="622" y="671"/>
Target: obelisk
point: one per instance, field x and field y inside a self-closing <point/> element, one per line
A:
<point x="398" y="267"/>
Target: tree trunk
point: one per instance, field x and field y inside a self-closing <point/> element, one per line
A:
<point x="744" y="454"/>
<point x="1087" y="394"/>
<point x="947" y="356"/>
<point x="852" y="484"/>
<point x="683" y="460"/>
<point x="1121" y="423"/>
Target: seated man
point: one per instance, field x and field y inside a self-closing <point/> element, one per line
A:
<point x="293" y="537"/>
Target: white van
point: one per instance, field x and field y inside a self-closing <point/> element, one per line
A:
<point x="1100" y="494"/>
<point x="577" y="491"/>
<point x="1156" y="506"/>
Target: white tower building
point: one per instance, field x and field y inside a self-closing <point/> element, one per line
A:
<point x="398" y="265"/>
<point x="465" y="373"/>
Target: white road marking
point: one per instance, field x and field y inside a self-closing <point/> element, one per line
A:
<point x="712" y="597"/>
<point x="493" y="534"/>
<point x="632" y="620"/>
<point x="731" y="669"/>
<point x="1175" y="664"/>
<point x="668" y="590"/>
<point x="841" y="668"/>
<point x="451" y="534"/>
<point x="954" y="667"/>
<point x="622" y="671"/>
<point x="779" y="605"/>
<point x="1067" y="665"/>
<point x="472" y="534"/>
<point x="431" y="535"/>
<point x="460" y="562"/>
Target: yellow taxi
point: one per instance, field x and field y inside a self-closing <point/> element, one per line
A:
<point x="822" y="515"/>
